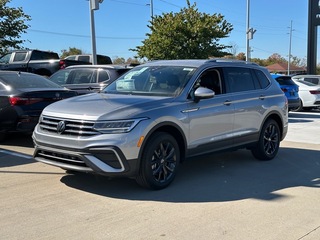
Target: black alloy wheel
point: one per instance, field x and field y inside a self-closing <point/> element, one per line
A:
<point x="159" y="162"/>
<point x="269" y="141"/>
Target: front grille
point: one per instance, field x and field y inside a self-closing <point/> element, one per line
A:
<point x="60" y="158"/>
<point x="67" y="126"/>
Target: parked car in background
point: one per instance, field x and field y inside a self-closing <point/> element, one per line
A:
<point x="143" y="124"/>
<point x="315" y="79"/>
<point x="101" y="59"/>
<point x="44" y="63"/>
<point x="23" y="96"/>
<point x="88" y="78"/>
<point x="309" y="95"/>
<point x="290" y="89"/>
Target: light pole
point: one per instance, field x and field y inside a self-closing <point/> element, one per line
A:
<point x="94" y="5"/>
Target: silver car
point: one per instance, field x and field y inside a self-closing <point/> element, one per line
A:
<point x="144" y="124"/>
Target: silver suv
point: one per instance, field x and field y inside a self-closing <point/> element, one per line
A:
<point x="145" y="123"/>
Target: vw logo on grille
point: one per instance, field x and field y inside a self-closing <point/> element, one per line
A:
<point x="61" y="127"/>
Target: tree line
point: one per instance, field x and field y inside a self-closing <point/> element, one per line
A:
<point x="187" y="34"/>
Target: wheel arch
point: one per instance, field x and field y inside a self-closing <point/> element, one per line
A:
<point x="276" y="117"/>
<point x="172" y="129"/>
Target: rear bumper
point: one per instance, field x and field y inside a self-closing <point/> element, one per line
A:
<point x="293" y="103"/>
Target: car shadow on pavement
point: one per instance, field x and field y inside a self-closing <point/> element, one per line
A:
<point x="303" y="115"/>
<point x="18" y="139"/>
<point x="217" y="178"/>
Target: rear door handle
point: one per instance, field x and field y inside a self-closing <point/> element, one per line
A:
<point x="262" y="97"/>
<point x="227" y="102"/>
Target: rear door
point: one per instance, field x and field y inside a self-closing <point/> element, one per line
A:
<point x="246" y="88"/>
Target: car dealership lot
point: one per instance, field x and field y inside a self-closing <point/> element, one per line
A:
<point x="219" y="196"/>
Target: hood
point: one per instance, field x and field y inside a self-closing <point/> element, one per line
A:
<point x="100" y="106"/>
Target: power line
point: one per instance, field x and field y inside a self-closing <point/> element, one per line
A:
<point x="85" y="36"/>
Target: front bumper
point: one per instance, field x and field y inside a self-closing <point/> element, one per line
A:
<point x="106" y="160"/>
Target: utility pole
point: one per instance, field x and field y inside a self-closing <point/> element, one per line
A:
<point x="249" y="32"/>
<point x="94" y="5"/>
<point x="151" y="8"/>
<point x="290" y="39"/>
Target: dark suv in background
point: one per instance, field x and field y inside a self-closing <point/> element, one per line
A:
<point x="145" y="123"/>
<point x="88" y="78"/>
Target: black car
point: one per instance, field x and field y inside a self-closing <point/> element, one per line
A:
<point x="88" y="78"/>
<point x="23" y="96"/>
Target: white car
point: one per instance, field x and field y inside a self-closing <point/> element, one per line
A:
<point x="308" y="78"/>
<point x="309" y="95"/>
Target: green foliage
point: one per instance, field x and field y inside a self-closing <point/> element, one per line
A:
<point x="71" y="51"/>
<point x="118" y="60"/>
<point x="12" y="25"/>
<point x="186" y="34"/>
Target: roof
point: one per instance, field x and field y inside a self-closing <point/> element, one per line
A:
<point x="105" y="66"/>
<point x="196" y="62"/>
<point x="283" y="67"/>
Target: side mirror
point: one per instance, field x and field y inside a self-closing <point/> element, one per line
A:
<point x="203" y="93"/>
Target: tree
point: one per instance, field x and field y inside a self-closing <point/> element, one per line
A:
<point x="241" y="56"/>
<point x="118" y="60"/>
<point x="71" y="51"/>
<point x="275" y="58"/>
<point x="233" y="49"/>
<point x="183" y="35"/>
<point x="12" y="25"/>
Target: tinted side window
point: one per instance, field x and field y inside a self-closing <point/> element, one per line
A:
<point x="84" y="58"/>
<point x="103" y="76"/>
<point x="238" y="79"/>
<point x="262" y="78"/>
<point x="103" y="59"/>
<point x="312" y="80"/>
<point x="211" y="79"/>
<point x="39" y="55"/>
<point x="5" y="58"/>
<point x="19" y="56"/>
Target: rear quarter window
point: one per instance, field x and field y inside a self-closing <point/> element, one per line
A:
<point x="261" y="78"/>
<point x="312" y="80"/>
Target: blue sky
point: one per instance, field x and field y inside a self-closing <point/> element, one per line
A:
<point x="122" y="24"/>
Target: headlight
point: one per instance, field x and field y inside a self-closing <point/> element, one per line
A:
<point x="117" y="126"/>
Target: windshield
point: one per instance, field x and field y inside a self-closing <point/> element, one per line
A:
<point x="152" y="80"/>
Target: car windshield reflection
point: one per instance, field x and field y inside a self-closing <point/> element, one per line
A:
<point x="152" y="81"/>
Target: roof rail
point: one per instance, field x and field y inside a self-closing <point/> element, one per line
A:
<point x="231" y="60"/>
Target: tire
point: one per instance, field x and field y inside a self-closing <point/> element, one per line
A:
<point x="159" y="162"/>
<point x="269" y="141"/>
<point x="298" y="109"/>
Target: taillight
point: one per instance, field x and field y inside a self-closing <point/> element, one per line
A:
<point x="314" y="91"/>
<point x="62" y="64"/>
<point x="16" y="101"/>
<point x="284" y="90"/>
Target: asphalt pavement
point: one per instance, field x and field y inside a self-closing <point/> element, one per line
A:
<point x="227" y="196"/>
